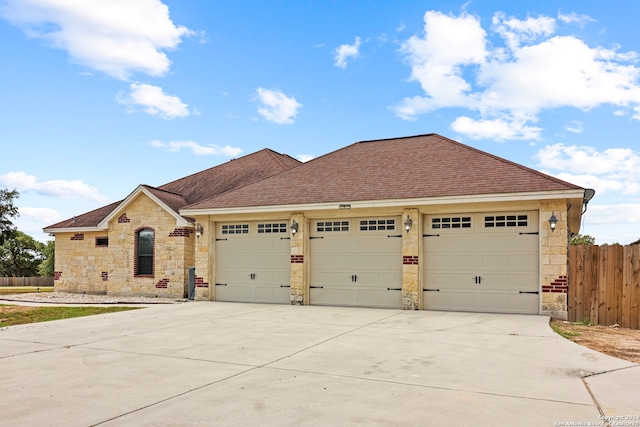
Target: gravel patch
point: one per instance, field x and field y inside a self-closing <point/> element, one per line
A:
<point x="69" y="298"/>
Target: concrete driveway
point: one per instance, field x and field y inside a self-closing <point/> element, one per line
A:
<point x="212" y="363"/>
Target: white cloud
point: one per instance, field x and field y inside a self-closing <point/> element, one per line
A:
<point x="57" y="188"/>
<point x="116" y="37"/>
<point x="197" y="149"/>
<point x="276" y="107"/>
<point x="41" y="215"/>
<point x="533" y="70"/>
<point x="154" y="101"/>
<point x="610" y="170"/>
<point x="574" y="18"/>
<point x="305" y="157"/>
<point x="347" y="51"/>
<point x="575" y="126"/>
<point x="500" y="129"/>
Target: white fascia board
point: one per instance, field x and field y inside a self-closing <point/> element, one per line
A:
<point x="72" y="230"/>
<point x="481" y="198"/>
<point x="180" y="221"/>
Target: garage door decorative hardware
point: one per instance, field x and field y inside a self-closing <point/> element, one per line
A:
<point x="430" y="290"/>
<point x="478" y="280"/>
<point x="430" y="235"/>
<point x="218" y="239"/>
<point x="316" y="287"/>
<point x="252" y="276"/>
<point x="316" y="237"/>
<point x="354" y="278"/>
<point x="285" y="286"/>
<point x="394" y="289"/>
<point x="285" y="238"/>
<point x="394" y="235"/>
<point x="221" y="284"/>
<point x="531" y="232"/>
<point x="529" y="292"/>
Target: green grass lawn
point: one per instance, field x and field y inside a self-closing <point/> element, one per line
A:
<point x="19" y="315"/>
<point x="5" y="290"/>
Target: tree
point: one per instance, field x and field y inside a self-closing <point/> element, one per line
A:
<point x="7" y="211"/>
<point x="47" y="266"/>
<point x="20" y="255"/>
<point x="583" y="239"/>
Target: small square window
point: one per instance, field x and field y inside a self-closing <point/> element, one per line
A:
<point x="102" y="242"/>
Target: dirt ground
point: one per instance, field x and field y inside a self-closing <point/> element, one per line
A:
<point x="622" y="343"/>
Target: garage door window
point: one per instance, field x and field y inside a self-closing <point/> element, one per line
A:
<point x="324" y="226"/>
<point x="279" y="227"/>
<point x="450" y="222"/>
<point x="499" y="221"/>
<point x="235" y="229"/>
<point x="377" y="224"/>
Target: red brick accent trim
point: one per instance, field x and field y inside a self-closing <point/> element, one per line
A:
<point x="297" y="259"/>
<point x="78" y="236"/>
<point x="410" y="260"/>
<point x="123" y="218"/>
<point x="557" y="286"/>
<point x="200" y="283"/>
<point x="181" y="232"/>
<point x="57" y="275"/>
<point x="105" y="276"/>
<point x="162" y="284"/>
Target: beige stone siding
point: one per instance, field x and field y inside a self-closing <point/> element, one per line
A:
<point x="173" y="251"/>
<point x="553" y="257"/>
<point x="81" y="266"/>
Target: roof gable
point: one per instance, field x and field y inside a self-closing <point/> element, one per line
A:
<point x="193" y="188"/>
<point x="420" y="166"/>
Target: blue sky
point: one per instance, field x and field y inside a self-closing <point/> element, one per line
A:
<point x="98" y="98"/>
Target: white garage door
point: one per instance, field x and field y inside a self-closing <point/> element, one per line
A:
<point x="485" y="262"/>
<point x="253" y="262"/>
<point x="356" y="262"/>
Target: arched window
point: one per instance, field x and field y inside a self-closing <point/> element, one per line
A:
<point x="144" y="252"/>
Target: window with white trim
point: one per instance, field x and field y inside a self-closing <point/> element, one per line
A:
<point x="325" y="226"/>
<point x="449" y="222"/>
<point x="235" y="229"/>
<point x="276" y="227"/>
<point x="377" y="224"/>
<point x="499" y="221"/>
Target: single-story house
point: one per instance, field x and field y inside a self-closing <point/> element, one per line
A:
<point x="420" y="222"/>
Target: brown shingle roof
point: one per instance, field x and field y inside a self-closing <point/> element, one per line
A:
<point x="89" y="219"/>
<point x="199" y="186"/>
<point x="228" y="176"/>
<point x="411" y="167"/>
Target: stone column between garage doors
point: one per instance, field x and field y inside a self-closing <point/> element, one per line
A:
<point x="410" y="260"/>
<point x="299" y="261"/>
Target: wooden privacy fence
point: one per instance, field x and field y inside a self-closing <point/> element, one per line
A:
<point x="26" y="281"/>
<point x="604" y="285"/>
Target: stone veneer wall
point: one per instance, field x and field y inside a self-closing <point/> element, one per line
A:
<point x="299" y="261"/>
<point x="203" y="261"/>
<point x="173" y="252"/>
<point x="553" y="255"/>
<point x="80" y="264"/>
<point x="410" y="260"/>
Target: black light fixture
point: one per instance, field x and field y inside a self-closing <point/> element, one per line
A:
<point x="408" y="223"/>
<point x="199" y="229"/>
<point x="553" y="221"/>
<point x="294" y="227"/>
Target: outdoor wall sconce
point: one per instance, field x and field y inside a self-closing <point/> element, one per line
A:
<point x="408" y="223"/>
<point x="199" y="229"/>
<point x="294" y="227"/>
<point x="553" y="221"/>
